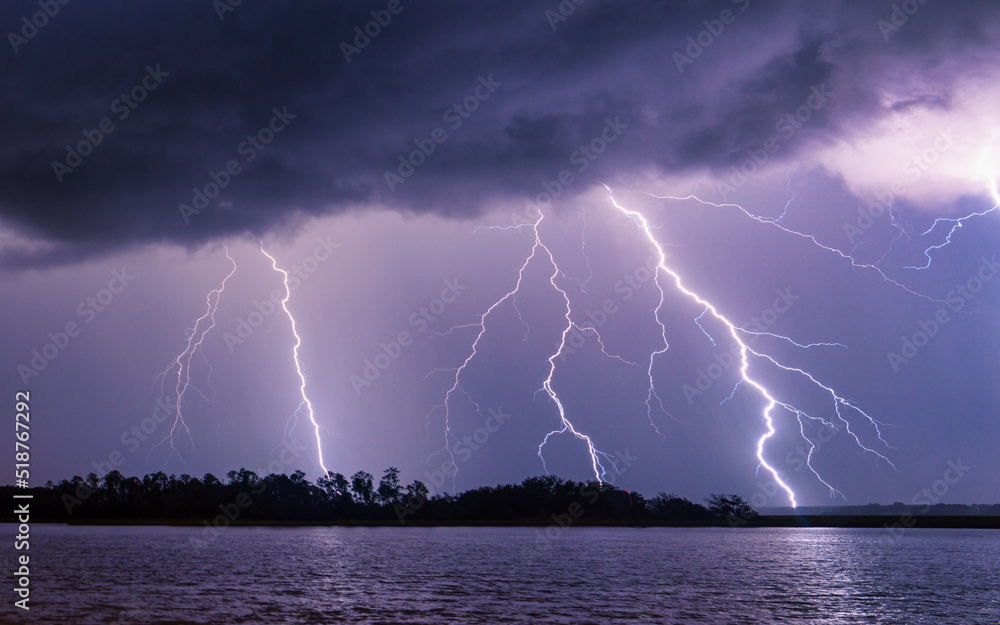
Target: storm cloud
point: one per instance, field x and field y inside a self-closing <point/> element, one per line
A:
<point x="384" y="105"/>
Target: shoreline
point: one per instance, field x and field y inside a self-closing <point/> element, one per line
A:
<point x="892" y="522"/>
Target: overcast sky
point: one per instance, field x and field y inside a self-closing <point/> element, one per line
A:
<point x="370" y="146"/>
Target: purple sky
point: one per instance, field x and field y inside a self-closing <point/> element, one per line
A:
<point x="858" y="124"/>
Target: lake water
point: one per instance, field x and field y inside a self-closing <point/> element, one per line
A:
<point x="498" y="575"/>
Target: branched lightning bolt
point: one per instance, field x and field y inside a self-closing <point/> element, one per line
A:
<point x="538" y="248"/>
<point x="896" y="219"/>
<point x="793" y="194"/>
<point x="990" y="177"/>
<point x="600" y="472"/>
<point x="956" y="223"/>
<point x="583" y="251"/>
<point x="651" y="392"/>
<point x="306" y="403"/>
<point x="775" y="223"/>
<point x="195" y="337"/>
<point x="745" y="353"/>
<point x="445" y="406"/>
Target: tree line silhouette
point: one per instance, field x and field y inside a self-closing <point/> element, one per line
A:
<point x="245" y="497"/>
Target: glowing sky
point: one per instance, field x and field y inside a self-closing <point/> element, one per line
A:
<point x="372" y="165"/>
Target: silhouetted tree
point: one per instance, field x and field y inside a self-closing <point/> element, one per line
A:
<point x="728" y="506"/>
<point x="677" y="510"/>
<point x="388" y="487"/>
<point x="363" y="487"/>
<point x="278" y="497"/>
<point x="416" y="491"/>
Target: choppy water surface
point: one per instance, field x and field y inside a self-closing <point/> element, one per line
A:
<point x="498" y="575"/>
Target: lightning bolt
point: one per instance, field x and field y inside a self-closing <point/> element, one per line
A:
<point x="600" y="472"/>
<point x="306" y="403"/>
<point x="843" y="409"/>
<point x="792" y="197"/>
<point x="896" y="219"/>
<point x="445" y="406"/>
<point x="989" y="175"/>
<point x="855" y="264"/>
<point x="538" y="249"/>
<point x="840" y="404"/>
<point x="583" y="251"/>
<point x="195" y="337"/>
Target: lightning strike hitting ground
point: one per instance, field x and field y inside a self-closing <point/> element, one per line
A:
<point x="595" y="455"/>
<point x="196" y="336"/>
<point x="298" y="363"/>
<point x="745" y="352"/>
<point x="600" y="472"/>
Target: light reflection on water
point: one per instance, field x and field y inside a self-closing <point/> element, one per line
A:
<point x="500" y="575"/>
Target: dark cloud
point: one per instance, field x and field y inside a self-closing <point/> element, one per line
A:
<point x="354" y="119"/>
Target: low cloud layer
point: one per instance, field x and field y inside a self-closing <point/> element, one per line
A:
<point x="287" y="110"/>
